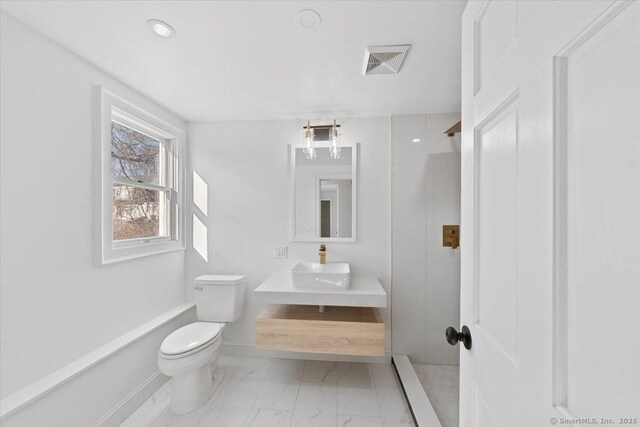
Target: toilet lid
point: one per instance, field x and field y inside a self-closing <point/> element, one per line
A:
<point x="190" y="337"/>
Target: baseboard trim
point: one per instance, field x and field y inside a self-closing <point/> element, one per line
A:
<point x="126" y="406"/>
<point x="46" y="385"/>
<point x="421" y="409"/>
<point x="247" y="349"/>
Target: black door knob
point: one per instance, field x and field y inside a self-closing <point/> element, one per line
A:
<point x="464" y="336"/>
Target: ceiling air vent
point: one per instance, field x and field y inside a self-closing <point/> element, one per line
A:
<point x="384" y="59"/>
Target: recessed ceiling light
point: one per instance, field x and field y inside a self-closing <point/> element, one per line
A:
<point x="161" y="28"/>
<point x="415" y="140"/>
<point x="308" y="19"/>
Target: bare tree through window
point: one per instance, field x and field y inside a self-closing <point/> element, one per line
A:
<point x="135" y="157"/>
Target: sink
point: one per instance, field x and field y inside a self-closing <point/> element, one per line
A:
<point x="311" y="275"/>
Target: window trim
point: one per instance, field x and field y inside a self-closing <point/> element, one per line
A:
<point x="110" y="108"/>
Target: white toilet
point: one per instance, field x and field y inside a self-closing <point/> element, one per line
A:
<point x="189" y="354"/>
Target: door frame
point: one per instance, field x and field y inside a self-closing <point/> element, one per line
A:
<point x="560" y="294"/>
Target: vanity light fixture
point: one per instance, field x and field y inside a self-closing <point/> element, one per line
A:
<point x="308" y="149"/>
<point x="334" y="137"/>
<point x="415" y="140"/>
<point x="161" y="28"/>
<point x="321" y="133"/>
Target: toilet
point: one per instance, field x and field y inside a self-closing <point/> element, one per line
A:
<point x="189" y="355"/>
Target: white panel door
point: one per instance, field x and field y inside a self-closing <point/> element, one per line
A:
<point x="550" y="221"/>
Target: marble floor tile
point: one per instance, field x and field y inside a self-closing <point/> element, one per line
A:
<point x="228" y="364"/>
<point x="223" y="416"/>
<point x="277" y="396"/>
<point x="169" y="419"/>
<point x="358" y="401"/>
<point x="261" y="417"/>
<point x="316" y="406"/>
<point x="252" y="367"/>
<point x="280" y="389"/>
<point x="312" y="394"/>
<point x="287" y="371"/>
<point x="315" y="417"/>
<point x="260" y="392"/>
<point x="384" y="375"/>
<point x="393" y="407"/>
<point x="358" y="421"/>
<point x="151" y="409"/>
<point x="355" y="375"/>
<point x="239" y="392"/>
<point x="356" y="390"/>
<point x="320" y="372"/>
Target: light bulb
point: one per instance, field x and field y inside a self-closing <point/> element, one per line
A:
<point x="311" y="153"/>
<point x="307" y="140"/>
<point x="161" y="28"/>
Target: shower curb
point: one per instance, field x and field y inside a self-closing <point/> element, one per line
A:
<point x="421" y="409"/>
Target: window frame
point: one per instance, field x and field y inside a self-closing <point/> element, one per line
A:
<point x="112" y="108"/>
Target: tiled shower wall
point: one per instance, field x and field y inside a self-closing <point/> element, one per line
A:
<point x="426" y="275"/>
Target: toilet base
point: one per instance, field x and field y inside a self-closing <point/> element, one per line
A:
<point x="192" y="389"/>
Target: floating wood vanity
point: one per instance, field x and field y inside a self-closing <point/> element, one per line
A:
<point x="338" y="330"/>
<point x="351" y="323"/>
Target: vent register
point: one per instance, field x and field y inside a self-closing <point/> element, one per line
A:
<point x="384" y="59"/>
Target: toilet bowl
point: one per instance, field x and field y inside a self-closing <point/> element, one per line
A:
<point x="189" y="354"/>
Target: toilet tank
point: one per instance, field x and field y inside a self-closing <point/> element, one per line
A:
<point x="219" y="298"/>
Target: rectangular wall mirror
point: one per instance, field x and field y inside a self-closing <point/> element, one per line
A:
<point x="323" y="194"/>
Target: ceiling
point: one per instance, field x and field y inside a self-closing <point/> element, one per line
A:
<point x="250" y="60"/>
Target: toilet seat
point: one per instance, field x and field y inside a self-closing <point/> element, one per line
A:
<point x="190" y="339"/>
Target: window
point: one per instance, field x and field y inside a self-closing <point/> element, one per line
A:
<point x="141" y="163"/>
<point x="141" y="195"/>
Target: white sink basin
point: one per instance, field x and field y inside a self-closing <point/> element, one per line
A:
<point x="310" y="275"/>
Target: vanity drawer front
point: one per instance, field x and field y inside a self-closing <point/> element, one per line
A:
<point x="338" y="330"/>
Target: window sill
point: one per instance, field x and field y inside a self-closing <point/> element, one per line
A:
<point x="114" y="255"/>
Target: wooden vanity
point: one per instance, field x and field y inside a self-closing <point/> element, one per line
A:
<point x="338" y="330"/>
<point x="350" y="324"/>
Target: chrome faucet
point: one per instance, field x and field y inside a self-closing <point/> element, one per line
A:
<point x="323" y="254"/>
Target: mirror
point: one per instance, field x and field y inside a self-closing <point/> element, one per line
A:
<point x="323" y="195"/>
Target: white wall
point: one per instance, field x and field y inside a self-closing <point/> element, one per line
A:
<point x="426" y="275"/>
<point x="245" y="165"/>
<point x="56" y="305"/>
